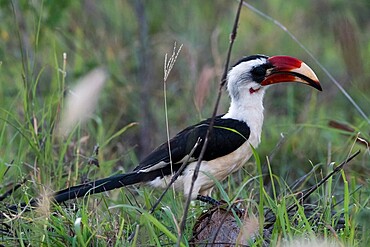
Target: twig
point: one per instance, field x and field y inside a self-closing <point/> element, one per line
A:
<point x="173" y="179"/>
<point x="302" y="179"/>
<point x="331" y="77"/>
<point x="337" y="169"/>
<point x="344" y="127"/>
<point x="10" y="191"/>
<point x="197" y="167"/>
<point x="175" y="176"/>
<point x="295" y="184"/>
<point x="351" y="194"/>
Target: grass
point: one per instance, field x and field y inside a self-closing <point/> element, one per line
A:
<point x="36" y="80"/>
<point x="111" y="219"/>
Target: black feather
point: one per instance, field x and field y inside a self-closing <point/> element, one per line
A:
<point x="249" y="58"/>
<point x="226" y="136"/>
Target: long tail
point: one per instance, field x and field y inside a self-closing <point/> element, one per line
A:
<point x="98" y="186"/>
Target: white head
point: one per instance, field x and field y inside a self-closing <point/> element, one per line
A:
<point x="249" y="77"/>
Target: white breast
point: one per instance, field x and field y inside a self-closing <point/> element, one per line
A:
<point x="247" y="108"/>
<point x="218" y="169"/>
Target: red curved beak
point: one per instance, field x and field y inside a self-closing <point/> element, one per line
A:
<point x="290" y="69"/>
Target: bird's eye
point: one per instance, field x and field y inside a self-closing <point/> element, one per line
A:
<point x="259" y="71"/>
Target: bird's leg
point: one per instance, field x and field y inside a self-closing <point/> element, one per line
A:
<point x="216" y="203"/>
<point x="209" y="200"/>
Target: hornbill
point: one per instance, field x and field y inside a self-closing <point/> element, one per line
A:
<point x="230" y="140"/>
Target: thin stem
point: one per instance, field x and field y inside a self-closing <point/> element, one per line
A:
<point x="331" y="77"/>
<point x="197" y="167"/>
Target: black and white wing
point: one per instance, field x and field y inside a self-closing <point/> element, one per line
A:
<point x="227" y="136"/>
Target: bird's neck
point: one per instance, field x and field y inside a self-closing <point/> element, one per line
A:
<point x="249" y="109"/>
